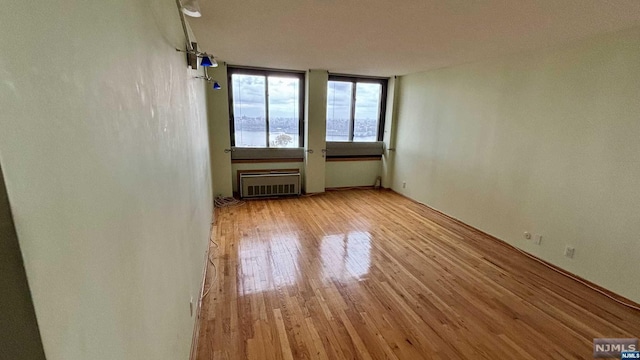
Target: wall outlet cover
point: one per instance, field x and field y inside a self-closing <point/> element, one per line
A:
<point x="569" y="252"/>
<point x="537" y="239"/>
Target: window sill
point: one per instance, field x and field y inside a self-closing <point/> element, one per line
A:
<point x="355" y="158"/>
<point x="260" y="161"/>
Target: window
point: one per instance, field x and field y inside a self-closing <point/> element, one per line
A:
<point x="266" y="108"/>
<point x="355" y="108"/>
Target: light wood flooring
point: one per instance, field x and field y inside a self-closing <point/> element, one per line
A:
<point x="367" y="274"/>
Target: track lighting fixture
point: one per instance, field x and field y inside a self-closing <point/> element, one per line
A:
<point x="209" y="79"/>
<point x="208" y="60"/>
<point x="193" y="54"/>
<point x="191" y="8"/>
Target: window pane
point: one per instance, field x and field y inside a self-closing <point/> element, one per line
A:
<point x="284" y="111"/>
<point x="338" y="110"/>
<point x="367" y="112"/>
<point x="249" y="112"/>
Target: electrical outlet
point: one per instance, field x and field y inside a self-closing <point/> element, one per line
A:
<point x="191" y="306"/>
<point x="404" y="184"/>
<point x="527" y="235"/>
<point x="537" y="239"/>
<point x="569" y="251"/>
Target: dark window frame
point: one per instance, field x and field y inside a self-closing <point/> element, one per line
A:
<point x="231" y="70"/>
<point x="383" y="99"/>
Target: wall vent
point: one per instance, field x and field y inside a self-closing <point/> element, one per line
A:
<point x="269" y="183"/>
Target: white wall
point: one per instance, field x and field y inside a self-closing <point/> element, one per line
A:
<point x="546" y="142"/>
<point x="315" y="130"/>
<point x="352" y="173"/>
<point x="219" y="133"/>
<point x="105" y="152"/>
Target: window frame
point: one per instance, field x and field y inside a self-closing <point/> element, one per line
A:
<point x="266" y="72"/>
<point x="354" y="80"/>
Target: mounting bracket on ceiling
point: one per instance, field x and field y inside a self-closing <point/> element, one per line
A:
<point x="184" y="26"/>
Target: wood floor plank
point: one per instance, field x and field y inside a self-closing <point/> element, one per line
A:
<point x="367" y="274"/>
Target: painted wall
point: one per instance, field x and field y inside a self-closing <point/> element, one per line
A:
<point x="219" y="133"/>
<point x="352" y="173"/>
<point x="105" y="153"/>
<point x="545" y="142"/>
<point x="19" y="335"/>
<point x="315" y="128"/>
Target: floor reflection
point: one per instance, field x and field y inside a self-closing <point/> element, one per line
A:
<point x="346" y="256"/>
<point x="267" y="263"/>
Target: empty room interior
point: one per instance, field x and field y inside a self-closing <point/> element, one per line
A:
<point x="319" y="179"/>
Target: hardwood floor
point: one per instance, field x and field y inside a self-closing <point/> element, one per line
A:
<point x="366" y="274"/>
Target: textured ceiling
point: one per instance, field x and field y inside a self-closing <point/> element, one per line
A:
<point x="387" y="37"/>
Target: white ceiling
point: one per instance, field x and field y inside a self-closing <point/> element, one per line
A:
<point x="396" y="37"/>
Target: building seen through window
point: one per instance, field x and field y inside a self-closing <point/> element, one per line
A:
<point x="266" y="108"/>
<point x="355" y="109"/>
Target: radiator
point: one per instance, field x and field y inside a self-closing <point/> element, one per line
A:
<point x="269" y="183"/>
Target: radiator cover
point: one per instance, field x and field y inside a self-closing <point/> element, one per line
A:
<point x="269" y="183"/>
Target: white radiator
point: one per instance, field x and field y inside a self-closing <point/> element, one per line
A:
<point x="269" y="183"/>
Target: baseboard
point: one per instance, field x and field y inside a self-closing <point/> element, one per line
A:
<point x="363" y="187"/>
<point x="506" y="244"/>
